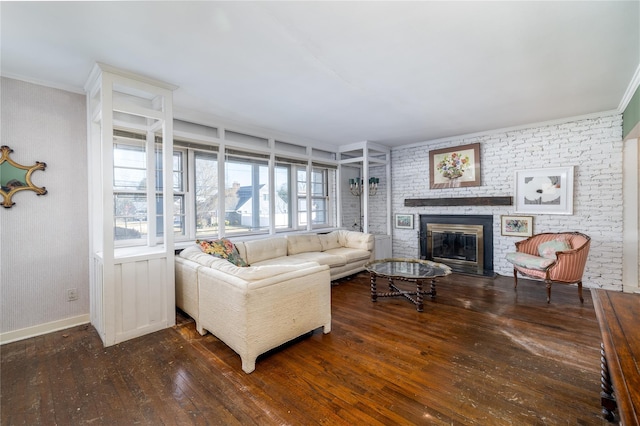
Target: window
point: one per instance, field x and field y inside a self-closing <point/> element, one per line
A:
<point x="131" y="220"/>
<point x="179" y="192"/>
<point x="283" y="210"/>
<point x="240" y="196"/>
<point x="246" y="180"/>
<point x="206" y="193"/>
<point x="318" y="189"/>
<point x="129" y="191"/>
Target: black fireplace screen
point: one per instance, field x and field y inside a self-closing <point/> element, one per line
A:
<point x="455" y="245"/>
<point x="462" y="249"/>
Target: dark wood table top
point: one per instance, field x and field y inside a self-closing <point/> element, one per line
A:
<point x="619" y="318"/>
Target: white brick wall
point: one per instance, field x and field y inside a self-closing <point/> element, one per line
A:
<point x="378" y="203"/>
<point x="350" y="210"/>
<point x="593" y="145"/>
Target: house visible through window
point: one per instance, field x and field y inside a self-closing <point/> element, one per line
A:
<point x="246" y="189"/>
<point x="248" y="204"/>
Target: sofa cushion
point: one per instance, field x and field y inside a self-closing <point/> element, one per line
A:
<point x="268" y="248"/>
<point x="321" y="257"/>
<point x="549" y="248"/>
<point x="222" y="248"/>
<point x="350" y="254"/>
<point x="329" y="241"/>
<point x="284" y="260"/>
<point x="255" y="273"/>
<point x="529" y="261"/>
<point x="303" y="243"/>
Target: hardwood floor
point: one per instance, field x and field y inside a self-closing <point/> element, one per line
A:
<point x="480" y="354"/>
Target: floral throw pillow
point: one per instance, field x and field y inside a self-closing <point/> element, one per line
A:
<point x="223" y="249"/>
<point x="550" y="248"/>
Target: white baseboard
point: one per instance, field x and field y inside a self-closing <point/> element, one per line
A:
<point x="38" y="330"/>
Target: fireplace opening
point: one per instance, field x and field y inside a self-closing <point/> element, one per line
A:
<point x="463" y="242"/>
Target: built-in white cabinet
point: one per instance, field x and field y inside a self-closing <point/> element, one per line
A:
<point x="132" y="289"/>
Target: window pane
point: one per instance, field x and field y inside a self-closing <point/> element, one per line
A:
<point x="206" y="193"/>
<point x="178" y="172"/>
<point x="302" y="181"/>
<point x="130" y="216"/>
<point x="129" y="167"/>
<point x="179" y="215"/>
<point x="283" y="197"/>
<point x="245" y="207"/>
<point x="317" y="182"/>
<point x="302" y="211"/>
<point x="319" y="211"/>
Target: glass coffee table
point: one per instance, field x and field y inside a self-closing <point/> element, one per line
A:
<point x="412" y="270"/>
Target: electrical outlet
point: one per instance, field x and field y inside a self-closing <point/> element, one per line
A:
<point x="72" y="294"/>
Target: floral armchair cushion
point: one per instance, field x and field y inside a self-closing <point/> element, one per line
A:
<point x="223" y="249"/>
<point x="529" y="261"/>
<point x="550" y="248"/>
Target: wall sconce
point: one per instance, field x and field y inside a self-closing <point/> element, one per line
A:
<point x="356" y="186"/>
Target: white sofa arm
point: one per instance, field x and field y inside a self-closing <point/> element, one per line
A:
<point x="186" y="274"/>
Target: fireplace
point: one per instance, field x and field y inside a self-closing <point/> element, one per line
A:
<point x="463" y="242"/>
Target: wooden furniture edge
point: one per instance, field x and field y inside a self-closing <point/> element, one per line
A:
<point x="615" y="351"/>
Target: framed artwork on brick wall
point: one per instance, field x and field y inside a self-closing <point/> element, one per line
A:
<point x="404" y="221"/>
<point x="544" y="191"/>
<point x="516" y="226"/>
<point x="455" y="167"/>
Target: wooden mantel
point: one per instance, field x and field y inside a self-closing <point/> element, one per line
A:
<point x="466" y="201"/>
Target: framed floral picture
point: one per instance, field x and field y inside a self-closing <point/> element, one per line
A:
<point x="455" y="167"/>
<point x="544" y="191"/>
<point x="516" y="226"/>
<point x="404" y="221"/>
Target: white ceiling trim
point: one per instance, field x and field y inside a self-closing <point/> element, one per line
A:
<point x="45" y="83"/>
<point x="631" y="90"/>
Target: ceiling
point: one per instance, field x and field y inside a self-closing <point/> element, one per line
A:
<point x="342" y="72"/>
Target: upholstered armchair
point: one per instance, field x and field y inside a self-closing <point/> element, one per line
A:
<point x="552" y="257"/>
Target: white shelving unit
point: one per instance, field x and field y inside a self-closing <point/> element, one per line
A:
<point x="132" y="289"/>
<point x="365" y="155"/>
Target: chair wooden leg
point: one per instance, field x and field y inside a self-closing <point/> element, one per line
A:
<point x="548" y="291"/>
<point x="515" y="278"/>
<point x="580" y="291"/>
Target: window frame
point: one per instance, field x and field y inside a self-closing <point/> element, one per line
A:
<point x="225" y="152"/>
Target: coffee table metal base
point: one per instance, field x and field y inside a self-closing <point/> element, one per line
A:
<point x="394" y="291"/>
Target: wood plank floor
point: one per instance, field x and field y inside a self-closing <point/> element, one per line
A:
<point x="480" y="354"/>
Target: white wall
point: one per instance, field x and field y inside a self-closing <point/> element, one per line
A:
<point x="43" y="239"/>
<point x="593" y="145"/>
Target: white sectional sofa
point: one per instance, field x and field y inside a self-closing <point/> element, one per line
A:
<point x="345" y="252"/>
<point x="283" y="294"/>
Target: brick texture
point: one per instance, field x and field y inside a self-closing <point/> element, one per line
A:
<point x="594" y="146"/>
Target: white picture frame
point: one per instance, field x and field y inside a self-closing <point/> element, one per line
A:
<point x="544" y="191"/>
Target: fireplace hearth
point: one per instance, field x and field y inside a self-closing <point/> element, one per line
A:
<point x="463" y="242"/>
